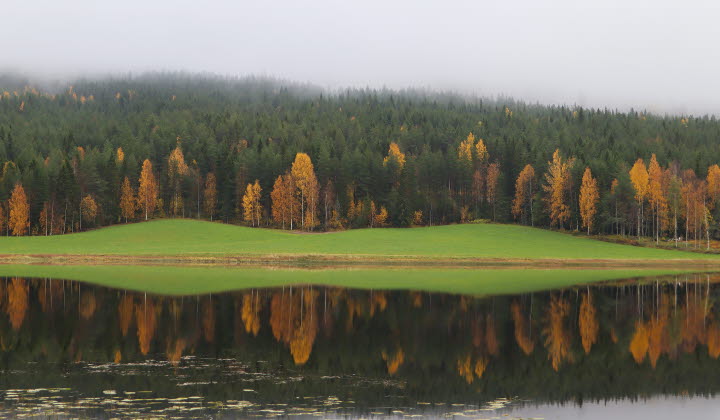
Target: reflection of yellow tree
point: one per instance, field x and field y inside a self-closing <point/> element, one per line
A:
<point x="17" y="293"/>
<point x="146" y="319"/>
<point x="293" y="321"/>
<point x="378" y="300"/>
<point x="126" y="308"/>
<point x="469" y="370"/>
<point x="88" y="304"/>
<point x="557" y="336"/>
<point x="588" y="323"/>
<point x="416" y="299"/>
<point x="491" y="341"/>
<point x="175" y="349"/>
<point x="251" y="313"/>
<point x="640" y="342"/>
<point x="394" y="361"/>
<point x="694" y="321"/>
<point x="659" y="339"/>
<point x="522" y="328"/>
<point x="713" y="339"/>
<point x="465" y="368"/>
<point x="480" y="366"/>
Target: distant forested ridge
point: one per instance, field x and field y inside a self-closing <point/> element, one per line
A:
<point x="272" y="153"/>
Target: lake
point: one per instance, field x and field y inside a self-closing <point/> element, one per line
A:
<point x="624" y="349"/>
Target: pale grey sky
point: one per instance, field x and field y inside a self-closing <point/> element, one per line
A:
<point x="660" y="55"/>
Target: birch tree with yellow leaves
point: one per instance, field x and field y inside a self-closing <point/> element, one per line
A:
<point x="589" y="196"/>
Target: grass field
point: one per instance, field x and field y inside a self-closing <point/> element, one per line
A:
<point x="202" y="280"/>
<point x="197" y="238"/>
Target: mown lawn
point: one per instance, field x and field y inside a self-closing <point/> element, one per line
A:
<point x="166" y="280"/>
<point x="190" y="237"/>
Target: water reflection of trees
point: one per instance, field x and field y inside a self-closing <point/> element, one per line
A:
<point x="605" y="334"/>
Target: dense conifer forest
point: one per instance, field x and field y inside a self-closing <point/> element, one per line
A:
<point x="264" y="152"/>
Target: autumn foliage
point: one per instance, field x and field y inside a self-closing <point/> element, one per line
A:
<point x="19" y="215"/>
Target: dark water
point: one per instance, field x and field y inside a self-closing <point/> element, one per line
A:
<point x="622" y="350"/>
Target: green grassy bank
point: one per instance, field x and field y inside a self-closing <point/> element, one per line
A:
<point x="198" y="238"/>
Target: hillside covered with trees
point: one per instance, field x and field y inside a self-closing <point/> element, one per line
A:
<point x="270" y="153"/>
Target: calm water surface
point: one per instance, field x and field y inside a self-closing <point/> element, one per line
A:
<point x="621" y="350"/>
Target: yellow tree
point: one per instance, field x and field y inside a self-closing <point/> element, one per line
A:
<point x="523" y="202"/>
<point x="127" y="200"/>
<point x="493" y="176"/>
<point x="148" y="190"/>
<point x="395" y="155"/>
<point x="640" y="180"/>
<point x="674" y="198"/>
<point x="19" y="214"/>
<point x="177" y="169"/>
<point x="657" y="196"/>
<point x="465" y="150"/>
<point x="713" y="181"/>
<point x="481" y="152"/>
<point x="252" y="209"/>
<point x="285" y="206"/>
<point x="278" y="207"/>
<point x="380" y="218"/>
<point x="210" y="195"/>
<point x="120" y="155"/>
<point x="88" y="208"/>
<point x="589" y="196"/>
<point x="303" y="174"/>
<point x="557" y="184"/>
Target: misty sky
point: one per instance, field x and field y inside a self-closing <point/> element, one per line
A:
<point x="660" y="55"/>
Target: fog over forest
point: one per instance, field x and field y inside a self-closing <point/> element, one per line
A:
<point x="655" y="55"/>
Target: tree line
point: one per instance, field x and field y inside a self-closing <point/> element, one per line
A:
<point x="269" y="153"/>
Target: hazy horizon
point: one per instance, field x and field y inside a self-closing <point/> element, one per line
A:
<point x="643" y="55"/>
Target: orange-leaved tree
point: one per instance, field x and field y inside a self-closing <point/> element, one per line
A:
<point x="713" y="181"/>
<point x="641" y="183"/>
<point x="88" y="209"/>
<point x="589" y="196"/>
<point x="523" y="202"/>
<point x="657" y="186"/>
<point x="252" y="209"/>
<point x="128" y="202"/>
<point x="557" y="184"/>
<point x="493" y="177"/>
<point x="148" y="190"/>
<point x="303" y="173"/>
<point x="177" y="169"/>
<point x="19" y="214"/>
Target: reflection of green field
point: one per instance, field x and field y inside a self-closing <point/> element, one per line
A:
<point x="200" y="280"/>
<point x="194" y="238"/>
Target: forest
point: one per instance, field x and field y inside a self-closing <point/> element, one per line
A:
<point x="271" y="153"/>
